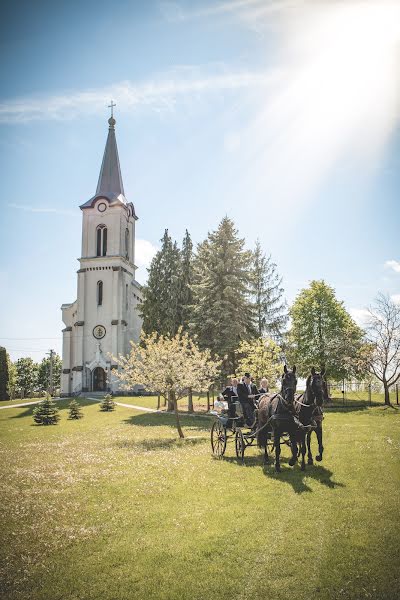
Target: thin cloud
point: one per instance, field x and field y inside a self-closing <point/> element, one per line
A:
<point x="396" y="298"/>
<point x="158" y="95"/>
<point x="360" y="315"/>
<point x="393" y="264"/>
<point x="38" y="209"/>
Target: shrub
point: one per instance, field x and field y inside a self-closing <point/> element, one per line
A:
<point x="46" y="412"/>
<point x="75" y="411"/>
<point x="107" y="403"/>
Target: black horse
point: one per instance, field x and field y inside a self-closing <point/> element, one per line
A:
<point x="308" y="408"/>
<point x="276" y="417"/>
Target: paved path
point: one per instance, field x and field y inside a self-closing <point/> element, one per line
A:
<point x="133" y="406"/>
<point x="24" y="404"/>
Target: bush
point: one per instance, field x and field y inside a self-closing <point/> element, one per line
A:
<point x="75" y="411"/>
<point x="46" y="412"/>
<point x="107" y="403"/>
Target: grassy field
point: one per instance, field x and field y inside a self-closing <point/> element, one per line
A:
<point x="113" y="507"/>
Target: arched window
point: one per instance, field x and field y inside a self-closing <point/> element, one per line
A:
<point x="127" y="243"/>
<point x="99" y="293"/>
<point x="101" y="240"/>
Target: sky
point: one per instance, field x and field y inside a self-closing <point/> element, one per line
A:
<point x="282" y="114"/>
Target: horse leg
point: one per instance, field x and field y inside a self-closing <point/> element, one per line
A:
<point x="309" y="453"/>
<point x="266" y="457"/>
<point x="277" y="442"/>
<point x="293" y="446"/>
<point x="318" y="431"/>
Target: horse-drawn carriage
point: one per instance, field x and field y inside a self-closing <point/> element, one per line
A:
<point x="229" y="426"/>
<point x="280" y="419"/>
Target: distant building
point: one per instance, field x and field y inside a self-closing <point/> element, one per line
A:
<point x="105" y="317"/>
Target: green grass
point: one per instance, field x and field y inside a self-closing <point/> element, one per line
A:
<point x="18" y="401"/>
<point x="114" y="507"/>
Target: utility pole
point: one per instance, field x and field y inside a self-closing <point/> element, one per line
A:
<point x="51" y="353"/>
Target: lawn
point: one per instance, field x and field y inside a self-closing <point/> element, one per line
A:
<point x="113" y="507"/>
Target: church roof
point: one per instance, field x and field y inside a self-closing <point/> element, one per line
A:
<point x="110" y="184"/>
<point x="110" y="179"/>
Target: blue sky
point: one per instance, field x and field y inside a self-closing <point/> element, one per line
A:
<point x="283" y="115"/>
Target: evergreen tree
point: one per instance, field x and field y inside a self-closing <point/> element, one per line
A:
<point x="323" y="333"/>
<point x="75" y="411"/>
<point x="4" y="374"/>
<point x="107" y="404"/>
<point x="46" y="412"/>
<point x="221" y="312"/>
<point x="43" y="377"/>
<point x="185" y="281"/>
<point x="27" y="375"/>
<point x="269" y="305"/>
<point x="160" y="307"/>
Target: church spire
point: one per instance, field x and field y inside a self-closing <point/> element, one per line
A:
<point x="110" y="179"/>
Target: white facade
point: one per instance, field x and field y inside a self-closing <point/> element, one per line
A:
<point x="105" y="316"/>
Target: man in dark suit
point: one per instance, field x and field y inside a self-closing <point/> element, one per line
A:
<point x="247" y="392"/>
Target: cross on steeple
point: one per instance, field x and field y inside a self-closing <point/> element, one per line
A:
<point x="112" y="106"/>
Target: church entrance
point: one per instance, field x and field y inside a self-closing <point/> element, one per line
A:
<point x="99" y="380"/>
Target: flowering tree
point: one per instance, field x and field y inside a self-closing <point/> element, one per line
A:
<point x="168" y="366"/>
<point x="261" y="358"/>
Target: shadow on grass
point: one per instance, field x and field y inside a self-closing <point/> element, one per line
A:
<point x="161" y="444"/>
<point x="62" y="404"/>
<point x="290" y="475"/>
<point x="168" y="420"/>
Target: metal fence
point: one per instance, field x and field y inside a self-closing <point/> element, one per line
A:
<point x="360" y="393"/>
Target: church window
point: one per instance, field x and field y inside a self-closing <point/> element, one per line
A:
<point x="127" y="243"/>
<point x="101" y="240"/>
<point x="99" y="293"/>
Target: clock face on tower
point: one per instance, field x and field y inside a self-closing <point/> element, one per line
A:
<point x="99" y="332"/>
<point x="101" y="207"/>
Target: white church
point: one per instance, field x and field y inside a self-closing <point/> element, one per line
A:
<point x="105" y="316"/>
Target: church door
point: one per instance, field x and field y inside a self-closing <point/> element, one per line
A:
<point x="99" y="380"/>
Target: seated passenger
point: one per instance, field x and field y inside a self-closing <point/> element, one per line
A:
<point x="230" y="395"/>
<point x="247" y="393"/>
<point x="264" y="389"/>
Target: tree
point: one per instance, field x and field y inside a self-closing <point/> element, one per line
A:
<point x="75" y="411"/>
<point x="267" y="291"/>
<point x="185" y="282"/>
<point x="383" y="336"/>
<point x="107" y="404"/>
<point x="43" y="378"/>
<point x="169" y="366"/>
<point x="222" y="313"/>
<point x="323" y="333"/>
<point x="160" y="306"/>
<point x="261" y="358"/>
<point x="4" y="374"/>
<point x="46" y="412"/>
<point x="27" y="375"/>
<point x="12" y="378"/>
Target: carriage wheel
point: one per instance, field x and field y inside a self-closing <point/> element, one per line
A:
<point x="218" y="439"/>
<point x="240" y="445"/>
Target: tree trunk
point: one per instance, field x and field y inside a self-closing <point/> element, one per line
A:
<point x="190" y="400"/>
<point x="178" y="423"/>
<point x="387" y="396"/>
<point x="158" y="402"/>
<point x="171" y="406"/>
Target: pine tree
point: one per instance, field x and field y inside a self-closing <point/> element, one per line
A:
<point x="46" y="412"/>
<point x="107" y="404"/>
<point x="221" y="312"/>
<point x="4" y="374"/>
<point x="269" y="305"/>
<point x="185" y="281"/>
<point x="75" y="411"/>
<point x="160" y="307"/>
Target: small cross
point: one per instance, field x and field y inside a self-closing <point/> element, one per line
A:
<point x="112" y="106"/>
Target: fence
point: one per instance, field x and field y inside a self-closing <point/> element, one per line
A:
<point x="360" y="393"/>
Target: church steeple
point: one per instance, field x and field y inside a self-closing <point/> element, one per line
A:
<point x="110" y="179"/>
